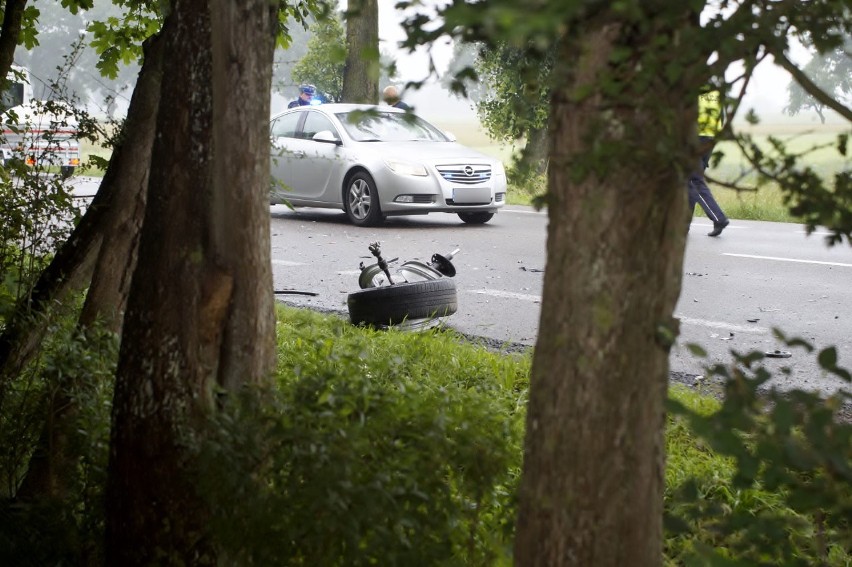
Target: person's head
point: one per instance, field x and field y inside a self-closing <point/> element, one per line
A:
<point x="306" y="92"/>
<point x="390" y="94"/>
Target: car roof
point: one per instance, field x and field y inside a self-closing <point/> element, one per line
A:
<point x="338" y="107"/>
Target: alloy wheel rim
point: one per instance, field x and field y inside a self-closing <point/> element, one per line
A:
<point x="359" y="199"/>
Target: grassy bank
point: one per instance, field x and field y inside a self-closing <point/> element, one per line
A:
<point x="360" y="385"/>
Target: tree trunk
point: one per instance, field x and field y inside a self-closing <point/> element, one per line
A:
<point x="361" y="70"/>
<point x="54" y="459"/>
<point x="203" y="254"/>
<point x="238" y="230"/>
<point x="592" y="485"/>
<point x="535" y="150"/>
<point x="13" y="13"/>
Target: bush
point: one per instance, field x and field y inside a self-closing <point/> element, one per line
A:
<point x="778" y="486"/>
<point x="361" y="458"/>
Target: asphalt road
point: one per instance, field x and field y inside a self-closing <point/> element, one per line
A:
<point x="755" y="277"/>
<point x="736" y="288"/>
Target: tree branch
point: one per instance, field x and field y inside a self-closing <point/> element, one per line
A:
<point x="811" y="88"/>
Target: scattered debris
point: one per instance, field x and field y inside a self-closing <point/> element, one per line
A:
<point x="778" y="354"/>
<point x="752" y="320"/>
<point x="767" y="309"/>
<point x="293" y="292"/>
<point x="534" y="270"/>
<point x="729" y="337"/>
<point x="412" y="297"/>
<point x="694" y="274"/>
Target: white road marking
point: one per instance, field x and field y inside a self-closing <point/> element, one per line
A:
<point x="686" y="320"/>
<point x="523" y="212"/>
<point x="705" y="225"/>
<point x="508" y="294"/>
<point x="788" y="260"/>
<point x="722" y="325"/>
<point x="286" y="263"/>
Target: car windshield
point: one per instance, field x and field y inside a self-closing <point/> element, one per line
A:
<point x="388" y="127"/>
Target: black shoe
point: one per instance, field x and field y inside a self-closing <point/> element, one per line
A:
<point x="718" y="227"/>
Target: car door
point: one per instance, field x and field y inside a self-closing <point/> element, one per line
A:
<point x="283" y="153"/>
<point x="317" y="163"/>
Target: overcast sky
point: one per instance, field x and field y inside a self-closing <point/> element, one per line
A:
<point x="767" y="91"/>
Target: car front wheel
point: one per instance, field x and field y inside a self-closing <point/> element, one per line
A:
<point x="361" y="200"/>
<point x="476" y="218"/>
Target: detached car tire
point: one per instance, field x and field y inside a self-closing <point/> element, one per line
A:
<point x="391" y="305"/>
<point x="475" y="218"/>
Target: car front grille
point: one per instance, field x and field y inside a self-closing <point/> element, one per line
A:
<point x="465" y="174"/>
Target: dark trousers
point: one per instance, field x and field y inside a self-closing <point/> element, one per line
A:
<point x="700" y="193"/>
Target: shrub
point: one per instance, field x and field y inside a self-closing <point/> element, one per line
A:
<point x="361" y="458"/>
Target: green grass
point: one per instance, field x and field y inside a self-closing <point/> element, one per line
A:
<point x="697" y="480"/>
<point x="766" y="203"/>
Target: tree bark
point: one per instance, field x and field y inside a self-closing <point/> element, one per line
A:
<point x="592" y="486"/>
<point x="536" y="150"/>
<point x="203" y="254"/>
<point x="361" y="70"/>
<point x="13" y="13"/>
<point x="239" y="231"/>
<point x="53" y="461"/>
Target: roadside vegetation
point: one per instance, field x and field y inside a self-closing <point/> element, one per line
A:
<point x="157" y="407"/>
<point x="406" y="449"/>
<point x="764" y="202"/>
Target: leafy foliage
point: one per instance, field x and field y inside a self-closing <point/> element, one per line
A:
<point x="52" y="531"/>
<point x="323" y="64"/>
<point x="517" y="94"/>
<point x="364" y="458"/>
<point x="788" y="497"/>
<point x="832" y="72"/>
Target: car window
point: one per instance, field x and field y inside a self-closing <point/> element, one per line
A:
<point x="317" y="122"/>
<point x="389" y="127"/>
<point x="285" y="126"/>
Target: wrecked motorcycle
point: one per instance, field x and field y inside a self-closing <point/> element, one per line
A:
<point x="415" y="295"/>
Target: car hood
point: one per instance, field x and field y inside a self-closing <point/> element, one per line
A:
<point x="426" y="151"/>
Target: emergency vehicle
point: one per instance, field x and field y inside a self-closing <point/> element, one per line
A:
<point x="36" y="132"/>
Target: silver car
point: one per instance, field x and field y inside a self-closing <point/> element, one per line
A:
<point x="374" y="162"/>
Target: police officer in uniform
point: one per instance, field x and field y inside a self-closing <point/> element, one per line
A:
<point x="306" y="93"/>
<point x="709" y="125"/>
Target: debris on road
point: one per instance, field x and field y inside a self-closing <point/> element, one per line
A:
<point x="412" y="297"/>
<point x="778" y="354"/>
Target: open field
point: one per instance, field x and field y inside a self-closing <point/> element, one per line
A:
<point x="763" y="204"/>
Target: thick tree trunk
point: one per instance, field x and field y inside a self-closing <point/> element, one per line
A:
<point x="238" y="230"/>
<point x="361" y="70"/>
<point x="54" y="459"/>
<point x="592" y="486"/>
<point x="13" y="13"/>
<point x="203" y="254"/>
<point x="128" y="172"/>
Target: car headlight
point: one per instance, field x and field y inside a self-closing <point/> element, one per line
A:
<point x="404" y="168"/>
<point x="499" y="170"/>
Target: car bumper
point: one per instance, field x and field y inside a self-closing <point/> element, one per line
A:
<point x="406" y="194"/>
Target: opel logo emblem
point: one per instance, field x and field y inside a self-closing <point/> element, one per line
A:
<point x="468" y="170"/>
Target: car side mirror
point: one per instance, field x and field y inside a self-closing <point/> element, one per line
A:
<point x="326" y="137"/>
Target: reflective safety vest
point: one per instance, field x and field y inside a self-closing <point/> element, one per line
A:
<point x="709" y="114"/>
